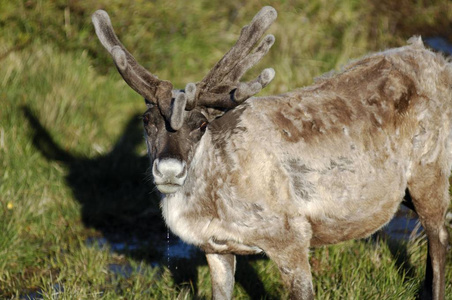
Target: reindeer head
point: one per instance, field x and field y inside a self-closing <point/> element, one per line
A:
<point x="176" y="120"/>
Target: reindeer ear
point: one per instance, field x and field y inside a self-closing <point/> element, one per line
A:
<point x="190" y="92"/>
<point x="178" y="111"/>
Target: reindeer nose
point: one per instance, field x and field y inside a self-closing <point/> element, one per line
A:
<point x="169" y="169"/>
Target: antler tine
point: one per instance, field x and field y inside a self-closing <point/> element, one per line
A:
<point x="221" y="87"/>
<point x="248" y="89"/>
<point x="248" y="37"/>
<point x="138" y="78"/>
<point x="251" y="59"/>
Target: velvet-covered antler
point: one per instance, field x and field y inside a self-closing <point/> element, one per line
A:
<point x="143" y="82"/>
<point x="221" y="88"/>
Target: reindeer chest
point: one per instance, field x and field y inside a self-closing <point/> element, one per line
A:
<point x="181" y="219"/>
<point x="203" y="229"/>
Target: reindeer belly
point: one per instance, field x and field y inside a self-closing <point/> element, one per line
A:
<point x="350" y="208"/>
<point x="331" y="230"/>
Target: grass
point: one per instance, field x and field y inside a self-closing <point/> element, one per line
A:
<point x="73" y="163"/>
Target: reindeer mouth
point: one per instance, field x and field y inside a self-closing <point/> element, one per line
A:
<point x="169" y="175"/>
<point x="168" y="188"/>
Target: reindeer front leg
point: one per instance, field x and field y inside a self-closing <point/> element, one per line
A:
<point x="222" y="270"/>
<point x="293" y="264"/>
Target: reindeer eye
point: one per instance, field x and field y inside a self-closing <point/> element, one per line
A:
<point x="203" y="126"/>
<point x="146" y="120"/>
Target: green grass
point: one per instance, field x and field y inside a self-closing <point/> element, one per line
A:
<point x="73" y="162"/>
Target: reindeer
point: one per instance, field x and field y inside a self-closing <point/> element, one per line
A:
<point x="315" y="166"/>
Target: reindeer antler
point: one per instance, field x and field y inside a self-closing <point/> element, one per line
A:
<point x="221" y="88"/>
<point x="143" y="82"/>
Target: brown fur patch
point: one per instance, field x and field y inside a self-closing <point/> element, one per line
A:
<point x="287" y="128"/>
<point x="225" y="126"/>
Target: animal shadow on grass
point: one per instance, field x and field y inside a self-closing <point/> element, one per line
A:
<point x="119" y="200"/>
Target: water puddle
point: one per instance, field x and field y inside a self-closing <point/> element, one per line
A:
<point x="403" y="226"/>
<point x="172" y="247"/>
<point x="102" y="242"/>
<point x="439" y="44"/>
<point x="406" y="226"/>
<point x="56" y="288"/>
<point x="178" y="249"/>
<point x="165" y="251"/>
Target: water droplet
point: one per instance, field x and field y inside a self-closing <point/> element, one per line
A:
<point x="168" y="246"/>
